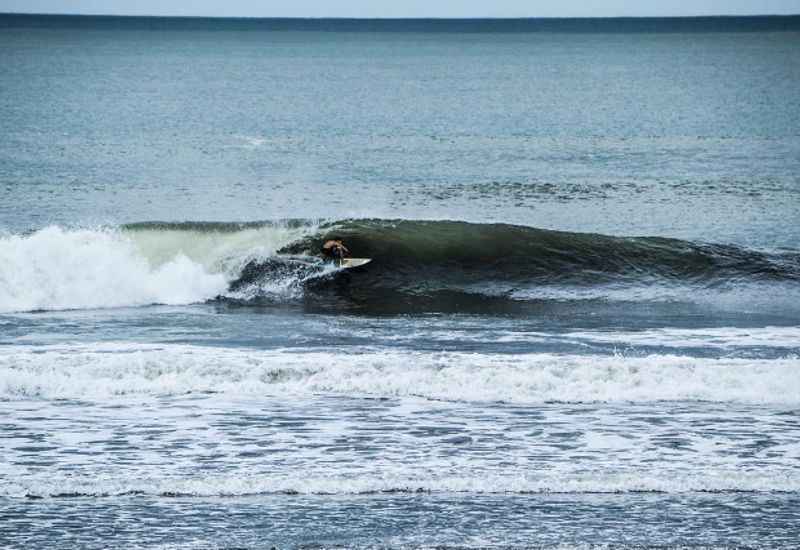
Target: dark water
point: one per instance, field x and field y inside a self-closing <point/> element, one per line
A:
<point x="580" y="327"/>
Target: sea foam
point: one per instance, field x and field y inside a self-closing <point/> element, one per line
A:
<point x="56" y="268"/>
<point x="408" y="481"/>
<point x="125" y="370"/>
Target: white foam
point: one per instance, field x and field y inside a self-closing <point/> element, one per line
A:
<point x="406" y="480"/>
<point x="56" y="268"/>
<point x="118" y="370"/>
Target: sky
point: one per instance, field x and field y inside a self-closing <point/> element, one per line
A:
<point x="406" y="8"/>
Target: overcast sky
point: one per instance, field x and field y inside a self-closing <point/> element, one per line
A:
<point x="406" y="8"/>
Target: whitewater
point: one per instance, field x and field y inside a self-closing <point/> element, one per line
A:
<point x="56" y="268"/>
<point x="120" y="370"/>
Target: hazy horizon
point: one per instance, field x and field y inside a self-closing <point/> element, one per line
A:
<point x="414" y="9"/>
<point x="399" y="18"/>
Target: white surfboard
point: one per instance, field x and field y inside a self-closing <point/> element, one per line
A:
<point x="349" y="263"/>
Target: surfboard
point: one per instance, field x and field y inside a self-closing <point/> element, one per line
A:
<point x="349" y="263"/>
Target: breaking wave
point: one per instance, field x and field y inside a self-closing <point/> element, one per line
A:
<point x="464" y="252"/>
<point x="141" y="264"/>
<point x="436" y="264"/>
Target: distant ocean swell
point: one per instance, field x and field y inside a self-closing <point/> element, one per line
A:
<point x="139" y="264"/>
<point x="127" y="371"/>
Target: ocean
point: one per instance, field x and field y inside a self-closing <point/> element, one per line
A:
<point x="580" y="328"/>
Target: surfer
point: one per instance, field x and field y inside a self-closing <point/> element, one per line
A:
<point x="335" y="249"/>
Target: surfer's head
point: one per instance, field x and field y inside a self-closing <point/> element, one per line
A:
<point x="334" y="248"/>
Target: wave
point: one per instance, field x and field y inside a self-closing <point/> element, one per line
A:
<point x="57" y="268"/>
<point x="478" y="482"/>
<point x="134" y="371"/>
<point x="421" y="257"/>
<point x="465" y="251"/>
<point x="417" y="264"/>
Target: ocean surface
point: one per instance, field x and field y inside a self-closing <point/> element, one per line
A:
<point x="580" y="328"/>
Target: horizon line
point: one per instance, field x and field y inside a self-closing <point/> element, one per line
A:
<point x="415" y="18"/>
